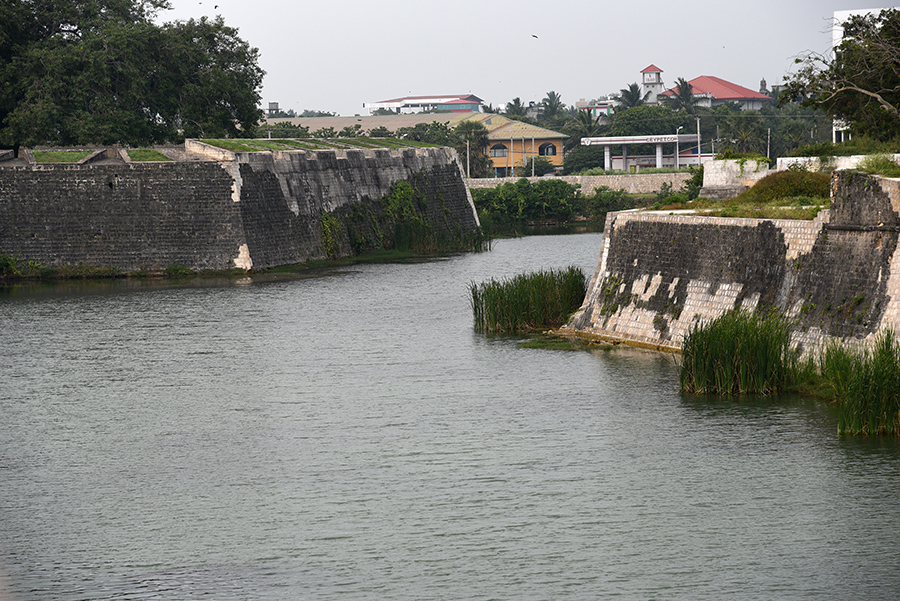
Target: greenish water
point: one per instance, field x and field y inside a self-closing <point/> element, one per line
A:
<point x="349" y="436"/>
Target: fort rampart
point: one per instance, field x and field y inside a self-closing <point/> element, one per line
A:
<point x="838" y="276"/>
<point x="213" y="209"/>
<point x="638" y="183"/>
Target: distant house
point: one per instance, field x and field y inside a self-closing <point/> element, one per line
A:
<point x="467" y="103"/>
<point x="597" y="107"/>
<point x="512" y="143"/>
<point x="713" y="91"/>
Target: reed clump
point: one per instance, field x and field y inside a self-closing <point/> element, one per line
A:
<point x="527" y="301"/>
<point x="866" y="384"/>
<point x="741" y="352"/>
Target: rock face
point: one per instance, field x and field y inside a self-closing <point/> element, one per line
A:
<point x="838" y="275"/>
<point x="245" y="210"/>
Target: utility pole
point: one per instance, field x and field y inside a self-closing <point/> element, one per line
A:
<point x="699" y="162"/>
<point x="468" y="174"/>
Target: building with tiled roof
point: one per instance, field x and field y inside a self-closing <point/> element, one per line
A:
<point x="467" y="103"/>
<point x="713" y="91"/>
<point x="512" y="143"/>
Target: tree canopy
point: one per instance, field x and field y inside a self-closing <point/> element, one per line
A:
<point x="101" y="71"/>
<point x="860" y="84"/>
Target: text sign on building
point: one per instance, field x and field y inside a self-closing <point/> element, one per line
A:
<point x="608" y="141"/>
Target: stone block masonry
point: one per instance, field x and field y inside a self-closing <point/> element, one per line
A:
<point x="637" y="183"/>
<point x="838" y="276"/>
<point x="216" y="209"/>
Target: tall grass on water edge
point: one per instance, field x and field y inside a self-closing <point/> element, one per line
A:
<point x="740" y="352"/>
<point x="527" y="301"/>
<point x="866" y="384"/>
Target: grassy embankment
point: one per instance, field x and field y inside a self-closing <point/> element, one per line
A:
<point x="792" y="194"/>
<point x="750" y="353"/>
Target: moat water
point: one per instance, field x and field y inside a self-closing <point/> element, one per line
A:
<point x="348" y="436"/>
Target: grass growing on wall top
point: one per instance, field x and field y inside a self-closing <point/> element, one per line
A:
<point x="527" y="301"/>
<point x="791" y="194"/>
<point x="880" y="164"/>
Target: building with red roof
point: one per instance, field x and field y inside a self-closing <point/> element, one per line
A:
<point x="713" y="91"/>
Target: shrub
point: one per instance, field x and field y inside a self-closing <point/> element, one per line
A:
<point x="582" y="158"/>
<point x="787" y="184"/>
<point x="605" y="200"/>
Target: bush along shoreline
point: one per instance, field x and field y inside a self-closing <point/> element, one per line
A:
<point x="750" y="353"/>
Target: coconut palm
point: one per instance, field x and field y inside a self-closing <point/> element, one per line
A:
<point x="583" y="125"/>
<point x="682" y="97"/>
<point x="515" y="108"/>
<point x="551" y="106"/>
<point x="631" y="97"/>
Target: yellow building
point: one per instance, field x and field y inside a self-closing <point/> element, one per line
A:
<point x="512" y="143"/>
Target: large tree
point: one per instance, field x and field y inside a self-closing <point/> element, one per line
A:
<point x="101" y="71"/>
<point x="860" y="83"/>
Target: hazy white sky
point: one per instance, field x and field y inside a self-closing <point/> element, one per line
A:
<point x="333" y="55"/>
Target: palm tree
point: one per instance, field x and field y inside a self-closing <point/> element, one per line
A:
<point x="551" y="106"/>
<point x="515" y="108"/>
<point x="583" y="125"/>
<point x="682" y="97"/>
<point x="489" y="108"/>
<point x="470" y="138"/>
<point x="631" y="97"/>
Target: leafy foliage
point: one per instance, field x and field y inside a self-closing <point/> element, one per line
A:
<point x="788" y="184"/>
<point x="631" y="97"/>
<point x="861" y="83"/>
<point x="101" y="71"/>
<point x="682" y="97"/>
<point x="582" y="158"/>
<point x="515" y="204"/>
<point x="535" y="165"/>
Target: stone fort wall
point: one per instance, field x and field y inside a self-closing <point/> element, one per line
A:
<point x="838" y="276"/>
<point x="220" y="210"/>
<point x="638" y="183"/>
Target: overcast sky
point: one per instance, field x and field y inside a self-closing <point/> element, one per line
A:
<point x="333" y="55"/>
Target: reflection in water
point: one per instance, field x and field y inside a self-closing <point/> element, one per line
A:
<point x="351" y="436"/>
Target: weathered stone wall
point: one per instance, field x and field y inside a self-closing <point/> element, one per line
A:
<point x="728" y="178"/>
<point x="837" y="275"/>
<point x="638" y="183"/>
<point x="246" y="210"/>
<point x="127" y="216"/>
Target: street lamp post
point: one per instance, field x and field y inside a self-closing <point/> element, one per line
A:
<point x="680" y="127"/>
